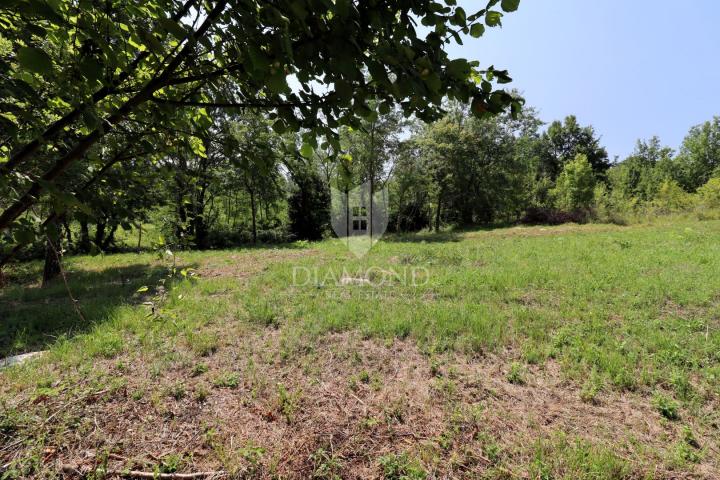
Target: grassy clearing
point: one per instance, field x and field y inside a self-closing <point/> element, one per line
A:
<point x="564" y="352"/>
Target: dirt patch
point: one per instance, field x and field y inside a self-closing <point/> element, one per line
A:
<point x="245" y="265"/>
<point x="522" y="231"/>
<point x="269" y="404"/>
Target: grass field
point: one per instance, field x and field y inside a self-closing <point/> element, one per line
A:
<point x="545" y="352"/>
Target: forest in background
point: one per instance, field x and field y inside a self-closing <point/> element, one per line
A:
<point x="240" y="182"/>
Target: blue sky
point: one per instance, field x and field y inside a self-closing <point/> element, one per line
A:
<point x="630" y="68"/>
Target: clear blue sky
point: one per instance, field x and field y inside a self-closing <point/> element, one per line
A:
<point x="630" y="68"/>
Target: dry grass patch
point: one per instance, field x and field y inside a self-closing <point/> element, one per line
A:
<point x="270" y="403"/>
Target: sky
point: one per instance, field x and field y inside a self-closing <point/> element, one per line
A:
<point x="630" y="68"/>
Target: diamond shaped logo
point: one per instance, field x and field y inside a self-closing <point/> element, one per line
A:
<point x="359" y="217"/>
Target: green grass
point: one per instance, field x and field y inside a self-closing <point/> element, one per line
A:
<point x="619" y="309"/>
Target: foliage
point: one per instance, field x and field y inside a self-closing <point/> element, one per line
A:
<point x="308" y="202"/>
<point x="699" y="156"/>
<point x="76" y="80"/>
<point x="575" y="185"/>
<point x="672" y="198"/>
<point x="709" y="194"/>
<point x="563" y="142"/>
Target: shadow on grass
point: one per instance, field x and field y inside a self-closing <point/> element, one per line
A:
<point x="423" y="237"/>
<point x="32" y="318"/>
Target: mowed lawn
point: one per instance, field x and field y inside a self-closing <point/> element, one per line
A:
<point x="530" y="352"/>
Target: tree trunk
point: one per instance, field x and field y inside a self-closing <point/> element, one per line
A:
<point x="437" y="213"/>
<point x="253" y="207"/>
<point x="52" y="261"/>
<point x="110" y="238"/>
<point x="68" y="232"/>
<point x="139" y="237"/>
<point x="84" y="236"/>
<point x="100" y="234"/>
<point x="347" y="211"/>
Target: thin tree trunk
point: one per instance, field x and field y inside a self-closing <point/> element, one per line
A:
<point x="110" y="238"/>
<point x="100" y="234"/>
<point x="52" y="260"/>
<point x="139" y="237"/>
<point x="68" y="232"/>
<point x="347" y="211"/>
<point x="254" y="215"/>
<point x="84" y="236"/>
<point x="437" y="213"/>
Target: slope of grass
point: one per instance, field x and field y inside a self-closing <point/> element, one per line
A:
<point x="559" y="352"/>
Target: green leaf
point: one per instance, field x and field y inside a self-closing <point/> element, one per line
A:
<point x="307" y="150"/>
<point x="459" y="68"/>
<point x="477" y="30"/>
<point x="510" y="5"/>
<point x="34" y="59"/>
<point x="493" y="19"/>
<point x="173" y="27"/>
<point x="91" y="69"/>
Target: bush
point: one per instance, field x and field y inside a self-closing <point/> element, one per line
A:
<point x="708" y="199"/>
<point x="574" y="190"/>
<point x="552" y="216"/>
<point x="671" y="198"/>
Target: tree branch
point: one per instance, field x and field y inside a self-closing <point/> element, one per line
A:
<point x="59" y="125"/>
<point x="251" y="104"/>
<point x="23" y="203"/>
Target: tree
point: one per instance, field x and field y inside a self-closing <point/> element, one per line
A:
<point x="87" y="72"/>
<point x="709" y="194"/>
<point x="477" y="168"/>
<point x="699" y="156"/>
<point x="671" y="197"/>
<point x="562" y="142"/>
<point x="641" y="174"/>
<point x="308" y="200"/>
<point x="575" y="185"/>
<point x="256" y="159"/>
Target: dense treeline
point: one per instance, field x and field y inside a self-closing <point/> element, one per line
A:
<point x="237" y="181"/>
<point x="119" y="115"/>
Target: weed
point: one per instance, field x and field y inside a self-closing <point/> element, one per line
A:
<point x="401" y="467"/>
<point x="177" y="391"/>
<point x="516" y="374"/>
<point x="288" y="402"/>
<point x="199" y="369"/>
<point x="171" y="463"/>
<point x="201" y="393"/>
<point x="262" y="313"/>
<point x="395" y="411"/>
<point x="435" y="368"/>
<point x="10" y="420"/>
<point x="227" y="380"/>
<point x="667" y="407"/>
<point x="591" y="388"/>
<point x="203" y="343"/>
<point x="326" y="465"/>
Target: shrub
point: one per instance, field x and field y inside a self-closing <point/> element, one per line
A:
<point x="671" y="198"/>
<point x="575" y="186"/>
<point x="708" y="199"/>
<point x="666" y="407"/>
